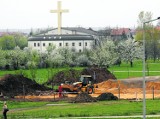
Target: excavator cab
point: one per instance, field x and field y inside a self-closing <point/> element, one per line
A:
<point x="86" y="79"/>
<point x="87" y="83"/>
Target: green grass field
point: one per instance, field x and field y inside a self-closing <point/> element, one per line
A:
<point x="125" y="71"/>
<point x="64" y="109"/>
<point x="122" y="72"/>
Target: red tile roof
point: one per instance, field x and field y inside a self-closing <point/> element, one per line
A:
<point x="158" y="27"/>
<point x="120" y="31"/>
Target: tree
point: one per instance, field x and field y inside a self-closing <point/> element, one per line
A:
<point x="7" y="42"/>
<point x="20" y="40"/>
<point x="2" y="58"/>
<point x="131" y="50"/>
<point x="17" y="58"/>
<point x="151" y="35"/>
<point x="153" y="44"/>
<point x="144" y="16"/>
<point x="67" y="55"/>
<point x="104" y="55"/>
<point x="82" y="60"/>
<point x="33" y="61"/>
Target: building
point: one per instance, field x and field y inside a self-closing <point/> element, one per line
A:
<point x="76" y="38"/>
<point x="121" y="34"/>
<point x="71" y="30"/>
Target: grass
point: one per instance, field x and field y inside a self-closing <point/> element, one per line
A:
<point x="42" y="75"/>
<point x="102" y="108"/>
<point x="122" y="72"/>
<point x="125" y="71"/>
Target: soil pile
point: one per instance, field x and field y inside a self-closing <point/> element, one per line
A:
<point x="83" y="97"/>
<point x="107" y="96"/>
<point x="115" y="86"/>
<point x="62" y="76"/>
<point x="108" y="84"/>
<point x="13" y="85"/>
<point x="151" y="85"/>
<point x="132" y="85"/>
<point x="98" y="74"/>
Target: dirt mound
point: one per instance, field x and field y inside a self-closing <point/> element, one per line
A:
<point x="151" y="85"/>
<point x="12" y="85"/>
<point x="99" y="74"/>
<point x="112" y="84"/>
<point x="130" y="86"/>
<point x="108" y="84"/>
<point x="62" y="76"/>
<point x="107" y="96"/>
<point x="83" y="97"/>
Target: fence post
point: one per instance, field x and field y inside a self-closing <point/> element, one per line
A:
<point x="136" y="96"/>
<point x="23" y="92"/>
<point x="54" y="96"/>
<point x="153" y="92"/>
<point x="128" y="71"/>
<point x="119" y="92"/>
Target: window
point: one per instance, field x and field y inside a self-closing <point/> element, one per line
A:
<point x="73" y="44"/>
<point x="38" y="44"/>
<point x="80" y="50"/>
<point x="66" y="44"/>
<point x="34" y="44"/>
<point x="85" y="43"/>
<point x="79" y="44"/>
<point x="49" y="44"/>
<point x="44" y="44"/>
<point x="60" y="44"/>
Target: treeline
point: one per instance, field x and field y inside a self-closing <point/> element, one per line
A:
<point x="10" y="41"/>
<point x="106" y="54"/>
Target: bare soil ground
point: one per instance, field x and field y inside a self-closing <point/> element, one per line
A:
<point x="18" y="87"/>
<point x="131" y="88"/>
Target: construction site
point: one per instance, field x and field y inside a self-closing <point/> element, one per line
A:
<point x="92" y="84"/>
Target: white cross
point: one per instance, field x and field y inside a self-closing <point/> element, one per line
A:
<point x="59" y="12"/>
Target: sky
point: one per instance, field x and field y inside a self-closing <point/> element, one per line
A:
<point x="27" y="14"/>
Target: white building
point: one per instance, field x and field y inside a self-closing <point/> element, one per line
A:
<point x="75" y="38"/>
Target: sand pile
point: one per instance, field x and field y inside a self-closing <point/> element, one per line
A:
<point x="151" y="85"/>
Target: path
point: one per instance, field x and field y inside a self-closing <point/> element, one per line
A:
<point x="107" y="117"/>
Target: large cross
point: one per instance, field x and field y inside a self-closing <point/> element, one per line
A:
<point x="59" y="12"/>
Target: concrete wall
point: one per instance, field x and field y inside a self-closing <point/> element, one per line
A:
<point x="79" y="45"/>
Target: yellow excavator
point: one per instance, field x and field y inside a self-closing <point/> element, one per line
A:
<point x="85" y="84"/>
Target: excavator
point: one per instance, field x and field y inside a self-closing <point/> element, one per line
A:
<point x="85" y="84"/>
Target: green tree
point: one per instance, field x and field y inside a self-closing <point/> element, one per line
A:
<point x="2" y="58"/>
<point x="7" y="42"/>
<point x="20" y="41"/>
<point x="33" y="61"/>
<point x="151" y="35"/>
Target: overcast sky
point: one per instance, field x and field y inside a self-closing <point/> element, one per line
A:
<point x="22" y="14"/>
